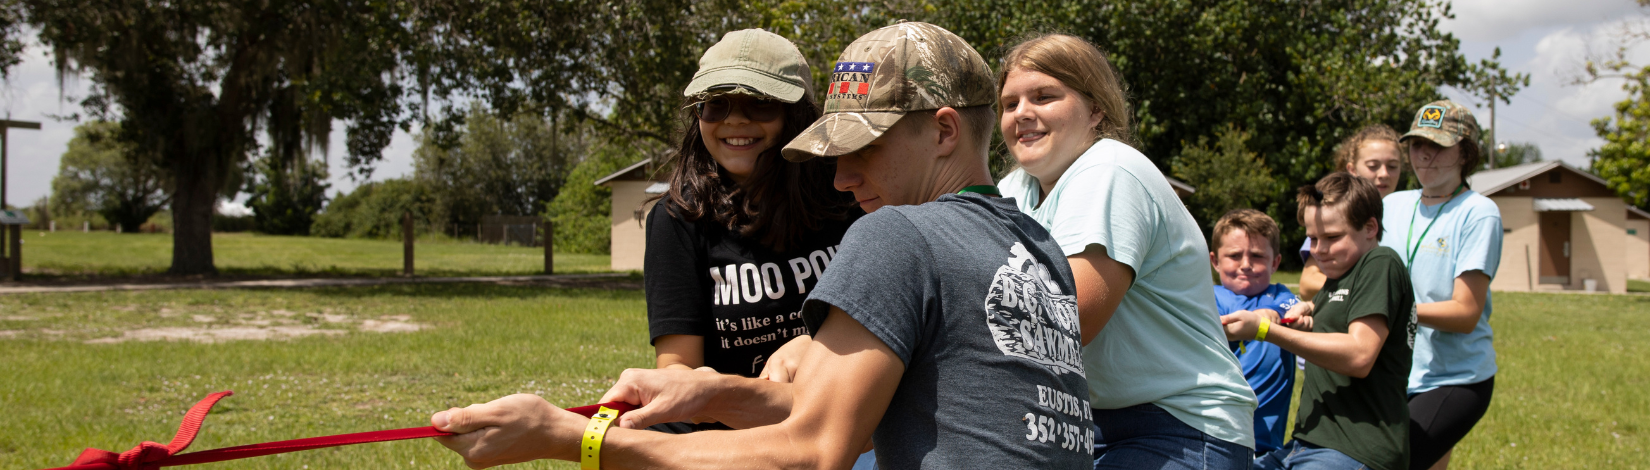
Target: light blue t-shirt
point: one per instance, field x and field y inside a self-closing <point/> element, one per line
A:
<point x="1465" y="237"/>
<point x="1164" y="345"/>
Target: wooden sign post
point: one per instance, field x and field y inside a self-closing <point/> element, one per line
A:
<point x="550" y="244"/>
<point x="12" y="223"/>
<point x="407" y="244"/>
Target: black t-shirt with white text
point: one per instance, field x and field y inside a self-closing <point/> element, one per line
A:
<point x="742" y="297"/>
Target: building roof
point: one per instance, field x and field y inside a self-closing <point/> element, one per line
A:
<point x="626" y="170"/>
<point x="1490" y="181"/>
<point x="1564" y="204"/>
<point x="1632" y="211"/>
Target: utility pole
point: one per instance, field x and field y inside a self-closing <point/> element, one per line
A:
<point x="1493" y="153"/>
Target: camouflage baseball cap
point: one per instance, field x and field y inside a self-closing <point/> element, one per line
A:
<point x="753" y="60"/>
<point x="901" y="68"/>
<point x="1444" y="122"/>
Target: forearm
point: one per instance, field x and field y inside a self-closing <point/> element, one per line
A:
<point x="1450" y="315"/>
<point x="1338" y="352"/>
<point x="1312" y="280"/>
<point x="686" y="352"/>
<point x="1460" y="313"/>
<point x="765" y="447"/>
<point x="744" y="403"/>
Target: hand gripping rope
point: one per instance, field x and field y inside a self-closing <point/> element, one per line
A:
<point x="153" y="455"/>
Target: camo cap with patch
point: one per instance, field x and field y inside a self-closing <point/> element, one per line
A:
<point x="1444" y="122"/>
<point x="887" y="73"/>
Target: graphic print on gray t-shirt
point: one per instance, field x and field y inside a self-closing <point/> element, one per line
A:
<point x="978" y="302"/>
<point x="1030" y="317"/>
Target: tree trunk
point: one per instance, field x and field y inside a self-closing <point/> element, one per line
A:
<point x="193" y="204"/>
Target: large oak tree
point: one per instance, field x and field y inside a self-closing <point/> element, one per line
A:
<point x="193" y="82"/>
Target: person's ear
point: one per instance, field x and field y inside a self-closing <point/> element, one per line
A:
<point x="1372" y="228"/>
<point x="949" y="127"/>
<point x="1277" y="260"/>
<point x="948" y="122"/>
<point x="1096" y="116"/>
<point x="1213" y="258"/>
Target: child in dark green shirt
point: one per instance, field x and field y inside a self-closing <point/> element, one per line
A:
<point x="1357" y="343"/>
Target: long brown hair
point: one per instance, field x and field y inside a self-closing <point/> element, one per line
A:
<point x="778" y="204"/>
<point x="1083" y="67"/>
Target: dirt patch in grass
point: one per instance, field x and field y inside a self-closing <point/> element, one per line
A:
<point x="208" y="328"/>
<point x="215" y="335"/>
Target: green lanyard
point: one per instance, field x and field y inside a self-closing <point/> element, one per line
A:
<point x="1407" y="240"/>
<point x="985" y="189"/>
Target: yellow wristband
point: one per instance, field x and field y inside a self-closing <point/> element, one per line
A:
<point x="1260" y="334"/>
<point x="590" y="449"/>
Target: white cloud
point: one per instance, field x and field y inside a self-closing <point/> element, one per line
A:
<point x="31" y="94"/>
<point x="1493" y="20"/>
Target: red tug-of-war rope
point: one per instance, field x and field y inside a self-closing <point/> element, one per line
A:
<point x="153" y="455"/>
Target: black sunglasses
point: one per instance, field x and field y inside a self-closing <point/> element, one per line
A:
<point x="718" y="108"/>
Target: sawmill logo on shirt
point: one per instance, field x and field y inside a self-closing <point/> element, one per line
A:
<point x="1031" y="318"/>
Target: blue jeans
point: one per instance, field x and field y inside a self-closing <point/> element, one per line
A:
<point x="1297" y="455"/>
<point x="1145" y="436"/>
<point x="867" y="461"/>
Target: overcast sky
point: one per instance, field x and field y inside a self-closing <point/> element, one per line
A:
<point x="1547" y="39"/>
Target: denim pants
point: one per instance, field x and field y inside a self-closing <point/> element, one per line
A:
<point x="1297" y="455"/>
<point x="867" y="461"/>
<point x="1146" y="436"/>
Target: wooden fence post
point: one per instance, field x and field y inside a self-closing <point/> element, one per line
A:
<point x="407" y="244"/>
<point x="549" y="246"/>
<point x="16" y="252"/>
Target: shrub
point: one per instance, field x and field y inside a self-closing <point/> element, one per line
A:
<point x="374" y="210"/>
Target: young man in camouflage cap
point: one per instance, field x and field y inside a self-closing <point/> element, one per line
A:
<point x="946" y="327"/>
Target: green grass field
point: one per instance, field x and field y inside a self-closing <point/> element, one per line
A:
<point x="1570" y="389"/>
<point x="1636" y="285"/>
<point x="482" y="342"/>
<point x="76" y="254"/>
<point x="1570" y="392"/>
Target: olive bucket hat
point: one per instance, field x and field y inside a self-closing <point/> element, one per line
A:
<point x="1444" y="122"/>
<point x="756" y="62"/>
<point x="887" y="73"/>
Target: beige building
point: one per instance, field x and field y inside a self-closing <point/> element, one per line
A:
<point x="631" y="191"/>
<point x="1638" y="243"/>
<point x="1563" y="229"/>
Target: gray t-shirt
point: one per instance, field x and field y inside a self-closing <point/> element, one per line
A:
<point x="978" y="302"/>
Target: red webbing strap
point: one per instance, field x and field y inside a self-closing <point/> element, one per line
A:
<point x="153" y="455"/>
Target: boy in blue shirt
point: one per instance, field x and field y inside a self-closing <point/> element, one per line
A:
<point x="1245" y="254"/>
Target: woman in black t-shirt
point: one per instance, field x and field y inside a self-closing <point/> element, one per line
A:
<point x="742" y="234"/>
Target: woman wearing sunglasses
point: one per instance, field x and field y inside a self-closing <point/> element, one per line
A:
<point x="742" y="234"/>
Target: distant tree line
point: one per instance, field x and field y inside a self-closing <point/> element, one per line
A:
<point x="1269" y="87"/>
